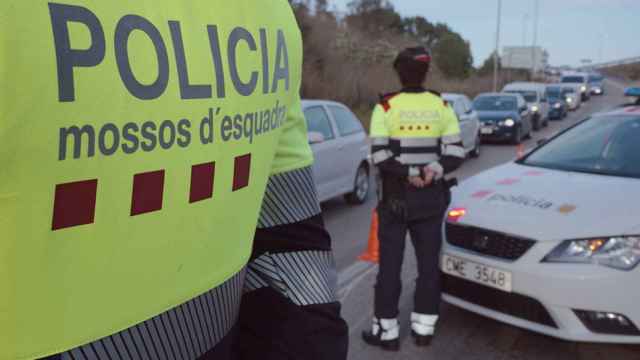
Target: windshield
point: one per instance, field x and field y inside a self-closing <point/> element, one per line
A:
<point x="573" y="79"/>
<point x="529" y="96"/>
<point x="602" y="145"/>
<point x="495" y="103"/>
<point x="595" y="78"/>
<point x="554" y="92"/>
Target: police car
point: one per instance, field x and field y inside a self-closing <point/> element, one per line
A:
<point x="551" y="242"/>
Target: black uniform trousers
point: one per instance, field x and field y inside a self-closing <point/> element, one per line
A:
<point x="426" y="236"/>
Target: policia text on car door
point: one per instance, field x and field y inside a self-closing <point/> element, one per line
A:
<point x="137" y="142"/>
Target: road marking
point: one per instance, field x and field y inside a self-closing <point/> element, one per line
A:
<point x="350" y="277"/>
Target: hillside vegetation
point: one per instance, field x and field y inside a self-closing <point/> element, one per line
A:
<point x="349" y="58"/>
<point x="629" y="72"/>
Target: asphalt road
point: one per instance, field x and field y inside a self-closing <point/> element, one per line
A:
<point x="461" y="334"/>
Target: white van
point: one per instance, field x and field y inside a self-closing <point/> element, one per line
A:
<point x="536" y="96"/>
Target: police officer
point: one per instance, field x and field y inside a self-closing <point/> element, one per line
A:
<point x="143" y="148"/>
<point x="416" y="141"/>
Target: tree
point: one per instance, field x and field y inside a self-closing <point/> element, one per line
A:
<point x="322" y="6"/>
<point x="453" y="56"/>
<point x="487" y="66"/>
<point x="374" y="16"/>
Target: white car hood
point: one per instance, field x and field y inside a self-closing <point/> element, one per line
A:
<point x="549" y="205"/>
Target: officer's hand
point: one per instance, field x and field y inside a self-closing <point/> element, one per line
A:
<point x="429" y="175"/>
<point x="417" y="181"/>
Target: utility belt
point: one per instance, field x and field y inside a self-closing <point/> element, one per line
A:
<point x="410" y="203"/>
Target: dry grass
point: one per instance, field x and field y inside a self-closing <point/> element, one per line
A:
<point x="354" y="68"/>
<point x="630" y="72"/>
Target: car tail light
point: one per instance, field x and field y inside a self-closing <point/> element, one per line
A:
<point x="454" y="215"/>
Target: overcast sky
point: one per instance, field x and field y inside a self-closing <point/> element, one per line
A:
<point x="570" y="30"/>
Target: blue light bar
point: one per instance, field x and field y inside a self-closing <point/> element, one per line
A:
<point x="632" y="91"/>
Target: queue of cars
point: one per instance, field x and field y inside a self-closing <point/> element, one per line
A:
<point x="532" y="243"/>
<point x="503" y="120"/>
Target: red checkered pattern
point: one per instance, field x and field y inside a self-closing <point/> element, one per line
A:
<point x="74" y="203"/>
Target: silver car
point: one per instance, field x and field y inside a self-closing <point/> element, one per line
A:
<point x="469" y="122"/>
<point x="340" y="148"/>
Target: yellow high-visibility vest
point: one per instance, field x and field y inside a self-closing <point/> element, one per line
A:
<point x="415" y="128"/>
<point x="136" y="140"/>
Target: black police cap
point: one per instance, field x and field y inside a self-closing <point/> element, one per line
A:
<point x="413" y="56"/>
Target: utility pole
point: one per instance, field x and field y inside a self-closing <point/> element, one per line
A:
<point x="496" y="57"/>
<point x="535" y="38"/>
<point x="525" y="28"/>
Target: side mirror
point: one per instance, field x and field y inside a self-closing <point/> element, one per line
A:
<point x="315" y="137"/>
<point x="542" y="141"/>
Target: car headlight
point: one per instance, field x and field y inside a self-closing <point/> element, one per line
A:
<point x="509" y="122"/>
<point x="535" y="108"/>
<point x="583" y="88"/>
<point x="569" y="100"/>
<point x="557" y="105"/>
<point x="620" y="252"/>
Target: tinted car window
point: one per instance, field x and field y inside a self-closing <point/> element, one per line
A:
<point x="458" y="107"/>
<point x="554" y="92"/>
<point x="495" y="103"/>
<point x="573" y="79"/>
<point x="529" y="96"/>
<point x="595" y="78"/>
<point x="318" y="121"/>
<point x="603" y="145"/>
<point x="568" y="90"/>
<point x="467" y="105"/>
<point x="347" y="123"/>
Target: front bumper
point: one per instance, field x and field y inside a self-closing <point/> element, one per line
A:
<point x="545" y="295"/>
<point x="498" y="133"/>
<point x="556" y="113"/>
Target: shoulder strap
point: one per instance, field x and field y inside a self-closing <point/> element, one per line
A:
<point x="384" y="100"/>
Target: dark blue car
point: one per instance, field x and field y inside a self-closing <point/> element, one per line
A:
<point x="558" y="106"/>
<point x="503" y="117"/>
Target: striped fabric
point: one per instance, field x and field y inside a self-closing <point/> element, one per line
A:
<point x="451" y="139"/>
<point x="290" y="197"/>
<point x="381" y="141"/>
<point x="381" y="155"/>
<point x="304" y="277"/>
<point x="453" y="150"/>
<point x="185" y="332"/>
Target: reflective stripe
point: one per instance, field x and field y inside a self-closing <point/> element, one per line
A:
<point x="420" y="150"/>
<point x="304" y="277"/>
<point x="415" y="159"/>
<point x="381" y="155"/>
<point x="185" y="332"/>
<point x="417" y="142"/>
<point x="451" y="139"/>
<point x="453" y="150"/>
<point x="437" y="167"/>
<point x="380" y="141"/>
<point x="290" y="197"/>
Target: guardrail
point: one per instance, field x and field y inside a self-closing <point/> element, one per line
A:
<point x="609" y="64"/>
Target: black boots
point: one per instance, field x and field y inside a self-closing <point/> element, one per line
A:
<point x="423" y="328"/>
<point x="384" y="334"/>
